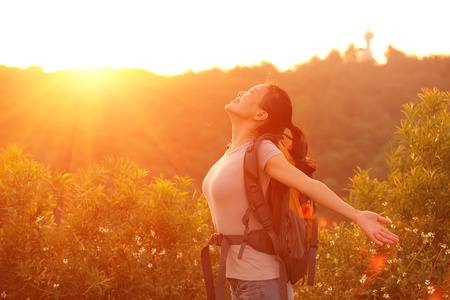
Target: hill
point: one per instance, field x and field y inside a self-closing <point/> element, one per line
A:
<point x="177" y="125"/>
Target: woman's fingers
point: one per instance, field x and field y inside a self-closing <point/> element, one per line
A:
<point x="385" y="236"/>
<point x="383" y="220"/>
<point x="389" y="235"/>
<point x="389" y="238"/>
<point x="375" y="239"/>
<point x="382" y="239"/>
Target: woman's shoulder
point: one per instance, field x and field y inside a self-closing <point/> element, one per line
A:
<point x="267" y="145"/>
<point x="266" y="150"/>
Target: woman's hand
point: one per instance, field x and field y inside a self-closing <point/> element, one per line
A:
<point x="370" y="224"/>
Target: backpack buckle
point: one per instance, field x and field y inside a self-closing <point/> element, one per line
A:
<point x="253" y="187"/>
<point x="218" y="238"/>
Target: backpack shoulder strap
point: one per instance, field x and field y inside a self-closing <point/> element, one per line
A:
<point x="312" y="252"/>
<point x="252" y="179"/>
<point x="258" y="204"/>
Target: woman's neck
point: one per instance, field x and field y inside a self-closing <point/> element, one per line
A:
<point x="240" y="135"/>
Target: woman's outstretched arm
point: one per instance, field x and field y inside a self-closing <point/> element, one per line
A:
<point x="280" y="169"/>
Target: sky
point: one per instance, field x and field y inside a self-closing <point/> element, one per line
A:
<point x="170" y="37"/>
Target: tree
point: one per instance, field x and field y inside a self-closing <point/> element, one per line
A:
<point x="350" y="55"/>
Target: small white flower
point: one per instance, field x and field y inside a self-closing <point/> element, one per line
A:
<point x="427" y="282"/>
<point x="56" y="285"/>
<point x="431" y="289"/>
<point x="138" y="240"/>
<point x="363" y="278"/>
<point x="386" y="296"/>
<point x="4" y="295"/>
<point x="150" y="265"/>
<point x="104" y="230"/>
<point x="65" y="260"/>
<point x="331" y="242"/>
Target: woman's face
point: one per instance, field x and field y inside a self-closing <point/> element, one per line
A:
<point x="246" y="104"/>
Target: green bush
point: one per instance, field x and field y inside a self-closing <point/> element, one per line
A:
<point x="103" y="233"/>
<point x="416" y="196"/>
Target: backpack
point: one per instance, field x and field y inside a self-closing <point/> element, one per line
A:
<point x="290" y="227"/>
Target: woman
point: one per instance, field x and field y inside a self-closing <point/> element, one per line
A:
<point x="266" y="108"/>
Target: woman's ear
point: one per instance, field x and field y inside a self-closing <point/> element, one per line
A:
<point x="261" y="115"/>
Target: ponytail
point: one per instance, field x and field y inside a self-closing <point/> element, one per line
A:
<point x="278" y="105"/>
<point x="298" y="148"/>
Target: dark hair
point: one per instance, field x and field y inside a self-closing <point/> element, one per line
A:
<point x="278" y="105"/>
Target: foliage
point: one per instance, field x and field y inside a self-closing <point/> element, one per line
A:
<point x="416" y="196"/>
<point x="102" y="233"/>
